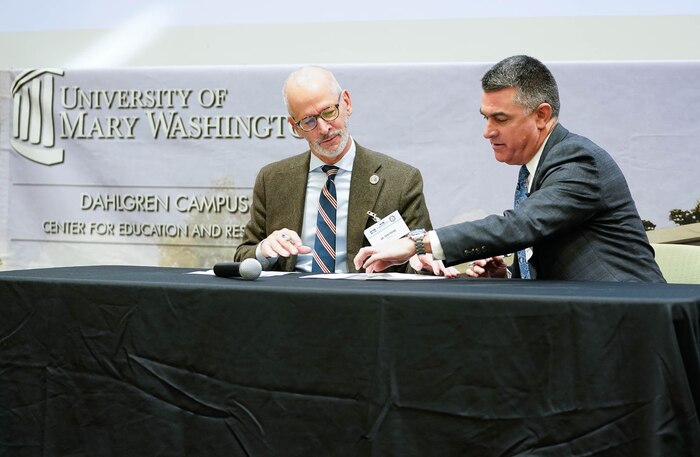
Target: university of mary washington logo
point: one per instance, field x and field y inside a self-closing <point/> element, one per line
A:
<point x="33" y="134"/>
<point x="41" y="124"/>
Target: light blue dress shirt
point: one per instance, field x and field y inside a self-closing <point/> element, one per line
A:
<point x="315" y="182"/>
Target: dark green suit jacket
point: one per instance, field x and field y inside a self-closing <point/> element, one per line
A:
<point x="280" y="191"/>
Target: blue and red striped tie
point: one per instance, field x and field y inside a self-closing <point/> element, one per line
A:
<point x="324" y="246"/>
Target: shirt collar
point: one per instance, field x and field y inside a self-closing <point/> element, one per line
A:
<point x="535" y="161"/>
<point x="345" y="163"/>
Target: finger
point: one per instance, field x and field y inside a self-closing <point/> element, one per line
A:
<point x="484" y="263"/>
<point x="378" y="266"/>
<point x="266" y="250"/>
<point x="289" y="247"/>
<point x="420" y="263"/>
<point x="359" y="259"/>
<point x="275" y="246"/>
<point x="284" y="242"/>
<point x="365" y="258"/>
<point x="451" y="272"/>
<point x="291" y="236"/>
<point x="372" y="258"/>
<point x="471" y="273"/>
<point x="304" y="249"/>
<point x="371" y="264"/>
<point x="415" y="263"/>
<point x="445" y="271"/>
<point x="290" y="241"/>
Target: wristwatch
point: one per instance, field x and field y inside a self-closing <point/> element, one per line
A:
<point x="417" y="236"/>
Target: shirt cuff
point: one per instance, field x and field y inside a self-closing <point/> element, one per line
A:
<point x="435" y="246"/>
<point x="265" y="262"/>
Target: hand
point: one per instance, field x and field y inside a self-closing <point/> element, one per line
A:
<point x="283" y="242"/>
<point x="378" y="258"/>
<point x="490" y="267"/>
<point x="426" y="262"/>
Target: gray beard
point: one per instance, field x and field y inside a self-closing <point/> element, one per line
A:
<point x="332" y="153"/>
<point x="335" y="153"/>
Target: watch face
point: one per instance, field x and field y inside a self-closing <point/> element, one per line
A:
<point x="413" y="234"/>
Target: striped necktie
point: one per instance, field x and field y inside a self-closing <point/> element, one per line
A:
<point x="520" y="195"/>
<point x="324" y="246"/>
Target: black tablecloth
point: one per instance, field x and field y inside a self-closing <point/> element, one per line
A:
<point x="141" y="361"/>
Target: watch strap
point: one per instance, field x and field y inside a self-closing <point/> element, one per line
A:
<point x="420" y="248"/>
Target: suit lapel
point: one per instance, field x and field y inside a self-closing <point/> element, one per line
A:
<point x="363" y="196"/>
<point x="292" y="193"/>
<point x="556" y="136"/>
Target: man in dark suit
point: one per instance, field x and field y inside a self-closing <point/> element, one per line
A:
<point x="574" y="216"/>
<point x="282" y="232"/>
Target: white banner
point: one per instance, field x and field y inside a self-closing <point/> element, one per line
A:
<point x="155" y="166"/>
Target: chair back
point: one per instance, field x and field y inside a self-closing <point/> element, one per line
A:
<point x="679" y="263"/>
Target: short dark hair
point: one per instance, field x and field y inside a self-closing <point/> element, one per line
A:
<point x="532" y="80"/>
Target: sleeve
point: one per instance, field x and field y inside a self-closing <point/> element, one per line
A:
<point x="413" y="208"/>
<point x="569" y="194"/>
<point x="255" y="230"/>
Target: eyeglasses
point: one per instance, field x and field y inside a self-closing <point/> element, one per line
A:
<point x="328" y="114"/>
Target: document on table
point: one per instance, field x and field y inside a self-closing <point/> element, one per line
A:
<point x="353" y="276"/>
<point x="374" y="276"/>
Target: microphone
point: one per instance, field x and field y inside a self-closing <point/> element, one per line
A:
<point x="249" y="269"/>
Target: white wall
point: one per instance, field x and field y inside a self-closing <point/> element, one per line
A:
<point x="73" y="33"/>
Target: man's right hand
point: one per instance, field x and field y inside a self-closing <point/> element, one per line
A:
<point x="283" y="242"/>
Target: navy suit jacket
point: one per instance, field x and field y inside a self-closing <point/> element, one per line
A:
<point x="579" y="218"/>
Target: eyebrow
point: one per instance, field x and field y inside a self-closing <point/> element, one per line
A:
<point x="497" y="113"/>
<point x="332" y="105"/>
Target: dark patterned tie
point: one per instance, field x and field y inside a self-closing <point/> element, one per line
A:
<point x="324" y="246"/>
<point x="520" y="195"/>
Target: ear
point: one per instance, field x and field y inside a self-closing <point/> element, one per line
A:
<point x="296" y="129"/>
<point x="543" y="114"/>
<point x="348" y="102"/>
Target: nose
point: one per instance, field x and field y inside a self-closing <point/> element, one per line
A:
<point x="323" y="125"/>
<point x="489" y="130"/>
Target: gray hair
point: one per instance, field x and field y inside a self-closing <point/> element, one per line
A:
<point x="532" y="80"/>
<point x="310" y="76"/>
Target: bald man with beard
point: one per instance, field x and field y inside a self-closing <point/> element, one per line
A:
<point x="281" y="233"/>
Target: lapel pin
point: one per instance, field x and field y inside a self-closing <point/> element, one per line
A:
<point x="374" y="179"/>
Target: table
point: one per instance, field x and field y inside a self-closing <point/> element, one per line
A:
<point x="121" y="360"/>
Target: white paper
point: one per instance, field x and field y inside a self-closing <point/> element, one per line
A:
<point x="374" y="276"/>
